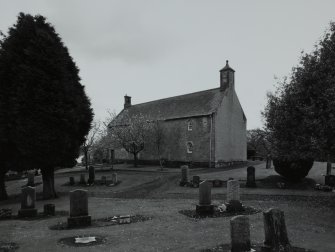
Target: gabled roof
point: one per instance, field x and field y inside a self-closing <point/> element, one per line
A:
<point x="182" y="106"/>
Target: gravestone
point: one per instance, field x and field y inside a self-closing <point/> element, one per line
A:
<point x="330" y="180"/>
<point x="79" y="209"/>
<point x="31" y="179"/>
<point x="329" y="168"/>
<point x="82" y="180"/>
<point x="103" y="180"/>
<point x="196" y="181"/>
<point x="240" y="233"/>
<point x="251" y="177"/>
<point x="71" y="181"/>
<point x="205" y="206"/>
<point x="184" y="175"/>
<point x="114" y="178"/>
<point x="91" y="175"/>
<point x="28" y="198"/>
<point x="275" y="231"/>
<point x="233" y="196"/>
<point x="49" y="209"/>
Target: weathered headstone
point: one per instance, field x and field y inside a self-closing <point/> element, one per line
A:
<point x="275" y="231"/>
<point x="31" y="179"/>
<point x="103" y="180"/>
<point x="240" y="233"/>
<point x="79" y="209"/>
<point x="114" y="178"/>
<point x="233" y="196"/>
<point x="205" y="206"/>
<point x="330" y="180"/>
<point x="184" y="175"/>
<point x="251" y="177"/>
<point x="233" y="190"/>
<point x="196" y="181"/>
<point x="49" y="209"/>
<point x="28" y="198"/>
<point x="91" y="175"/>
<point x="329" y="168"/>
<point x="82" y="180"/>
<point x="71" y="181"/>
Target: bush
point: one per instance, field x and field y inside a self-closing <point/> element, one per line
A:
<point x="293" y="170"/>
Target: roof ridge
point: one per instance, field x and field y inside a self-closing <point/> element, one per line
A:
<point x="176" y="96"/>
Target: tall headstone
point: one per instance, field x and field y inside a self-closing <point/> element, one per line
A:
<point x="233" y="190"/>
<point x="233" y="196"/>
<point x="28" y="198"/>
<point x="31" y="179"/>
<point x="79" y="209"/>
<point x="329" y="168"/>
<point x="196" y="181"/>
<point x="82" y="180"/>
<point x="114" y="178"/>
<point x="91" y="175"/>
<point x="184" y="175"/>
<point x="275" y="231"/>
<point x="240" y="233"/>
<point x="251" y="180"/>
<point x="205" y="206"/>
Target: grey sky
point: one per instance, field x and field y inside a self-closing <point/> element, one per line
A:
<point x="157" y="49"/>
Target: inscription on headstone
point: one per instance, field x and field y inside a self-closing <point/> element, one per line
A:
<point x="79" y="209"/>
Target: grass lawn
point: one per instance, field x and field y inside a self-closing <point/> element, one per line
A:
<point x="310" y="214"/>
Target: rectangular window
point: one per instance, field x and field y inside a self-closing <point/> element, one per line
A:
<point x="189" y="126"/>
<point x="189" y="146"/>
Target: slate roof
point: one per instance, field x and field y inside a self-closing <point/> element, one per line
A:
<point x="182" y="106"/>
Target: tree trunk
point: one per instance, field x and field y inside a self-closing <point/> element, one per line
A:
<point x="48" y="183"/>
<point x="3" y="192"/>
<point x="86" y="158"/>
<point x="135" y="159"/>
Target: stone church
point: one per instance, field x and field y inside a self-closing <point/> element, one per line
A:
<point x="206" y="128"/>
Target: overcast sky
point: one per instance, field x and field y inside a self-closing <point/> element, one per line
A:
<point x="157" y="49"/>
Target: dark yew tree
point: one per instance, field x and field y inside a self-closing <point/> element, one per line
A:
<point x="300" y="116"/>
<point x="45" y="113"/>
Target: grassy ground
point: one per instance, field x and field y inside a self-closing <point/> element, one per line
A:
<point x="310" y="215"/>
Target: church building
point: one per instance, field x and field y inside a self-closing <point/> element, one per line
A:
<point x="206" y="128"/>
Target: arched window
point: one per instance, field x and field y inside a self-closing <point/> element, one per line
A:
<point x="189" y="146"/>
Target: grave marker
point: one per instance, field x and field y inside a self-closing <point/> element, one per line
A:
<point x="114" y="178"/>
<point x="49" y="209"/>
<point x="251" y="177"/>
<point x="91" y="175"/>
<point x="240" y="233"/>
<point x="205" y="199"/>
<point x="79" y="209"/>
<point x="196" y="181"/>
<point x="233" y="190"/>
<point x="82" y="179"/>
<point x="275" y="231"/>
<point x="184" y="175"/>
<point x="28" y="198"/>
<point x="31" y="179"/>
<point x="71" y="181"/>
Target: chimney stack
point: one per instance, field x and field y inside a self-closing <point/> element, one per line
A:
<point x="127" y="101"/>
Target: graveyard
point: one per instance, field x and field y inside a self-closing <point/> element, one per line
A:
<point x="143" y="209"/>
